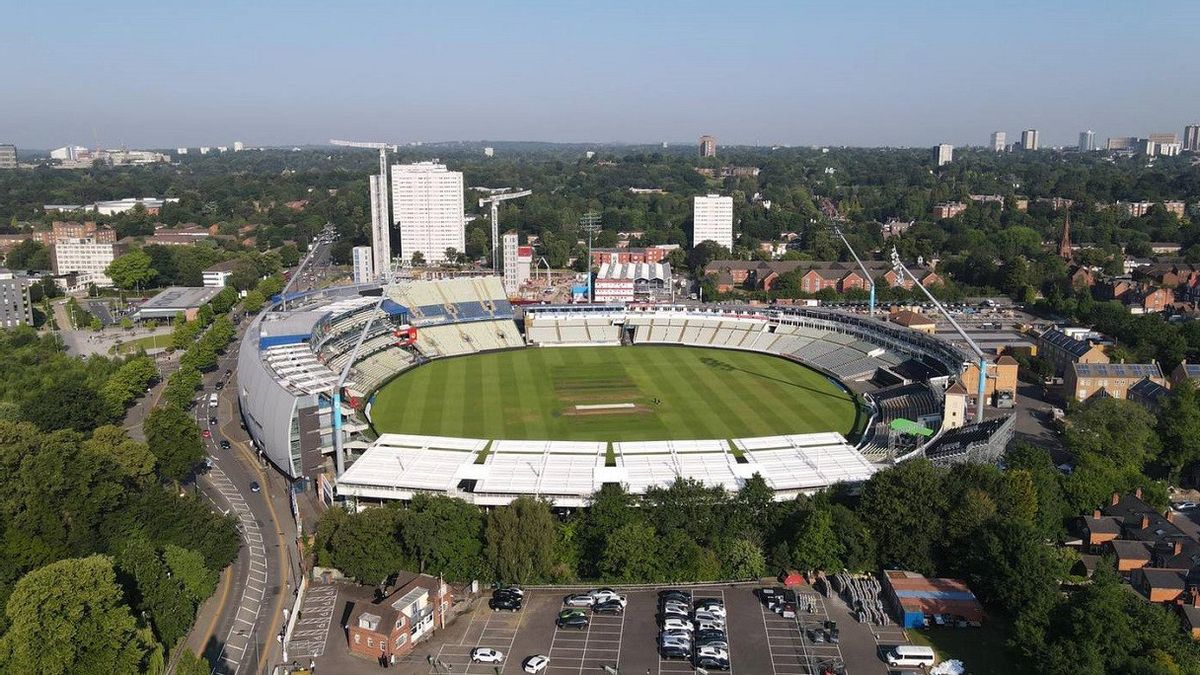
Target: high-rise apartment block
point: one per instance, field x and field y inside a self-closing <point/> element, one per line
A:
<point x="86" y="256"/>
<point x="1191" y="138"/>
<point x="427" y="201"/>
<point x="712" y="220"/>
<point x="8" y="156"/>
<point x="1029" y="139"/>
<point x="518" y="260"/>
<point x="943" y="154"/>
<point x="999" y="139"/>
<point x="362" y="264"/>
<point x="1087" y="141"/>
<point x="708" y="146"/>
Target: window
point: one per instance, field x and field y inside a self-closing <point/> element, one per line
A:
<point x="357" y="639"/>
<point x="400" y="639"/>
<point x="370" y="642"/>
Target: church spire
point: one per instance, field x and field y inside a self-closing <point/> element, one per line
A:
<point x="1064" y="247"/>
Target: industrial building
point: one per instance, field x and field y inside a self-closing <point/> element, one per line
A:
<point x="921" y="602"/>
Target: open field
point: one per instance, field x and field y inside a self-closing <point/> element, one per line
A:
<point x="676" y="393"/>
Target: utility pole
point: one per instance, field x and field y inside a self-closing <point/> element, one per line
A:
<point x="902" y="272"/>
<point x="590" y="222"/>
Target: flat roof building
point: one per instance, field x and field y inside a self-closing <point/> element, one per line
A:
<point x="176" y="299"/>
<point x="361" y="264"/>
<point x="8" y="156"/>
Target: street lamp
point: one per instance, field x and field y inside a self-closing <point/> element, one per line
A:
<point x="902" y="271"/>
<point x="590" y="222"/>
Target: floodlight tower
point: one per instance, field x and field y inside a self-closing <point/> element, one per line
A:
<point x="495" y="200"/>
<point x="590" y="222"/>
<point x="336" y="396"/>
<point x="381" y="223"/>
<point x="831" y="215"/>
<point x="902" y="272"/>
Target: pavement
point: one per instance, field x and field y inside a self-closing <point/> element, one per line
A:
<point x="761" y="642"/>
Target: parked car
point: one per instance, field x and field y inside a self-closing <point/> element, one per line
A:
<point x="716" y="652"/>
<point x="576" y="621"/>
<point x="571" y="612"/>
<point x="710" y="625"/>
<point x="673" y="616"/>
<point x="816" y="635"/>
<point x="212" y="421"/>
<point x="711" y="663"/>
<point x="579" y="600"/>
<point x="535" y="664"/>
<point x="678" y="633"/>
<point x="225" y="445"/>
<point x="1184" y="506"/>
<point x="711" y="634"/>
<point x="487" y="655"/>
<point x="608" y="595"/>
<point x="514" y="590"/>
<point x="506" y="593"/>
<point x="677" y="624"/>
<point x="705" y="615"/>
<point x="506" y="602"/>
<point x="206" y="433"/>
<point x="608" y="607"/>
<point x="709" y="602"/>
<point x="254" y="486"/>
<point x="672" y="651"/>
<point x="674" y="594"/>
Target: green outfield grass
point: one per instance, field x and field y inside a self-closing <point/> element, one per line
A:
<point x="680" y="393"/>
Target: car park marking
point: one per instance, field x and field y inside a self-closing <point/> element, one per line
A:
<point x="312" y="628"/>
<point x="499" y="636"/>
<point x="591" y="655"/>
<point x="685" y="665"/>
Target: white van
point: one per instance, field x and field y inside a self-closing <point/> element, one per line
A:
<point x="911" y="655"/>
<point x="212" y="400"/>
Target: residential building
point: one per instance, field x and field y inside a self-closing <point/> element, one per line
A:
<point x="1191" y="138"/>
<point x="708" y="146"/>
<point x="729" y="172"/>
<point x="63" y="230"/>
<point x="999" y="141"/>
<point x="1168" y="149"/>
<point x="218" y="275"/>
<point x="85" y="256"/>
<point x="943" y="154"/>
<point x="712" y="220"/>
<point x="650" y="254"/>
<point x="8" y="156"/>
<point x="988" y="199"/>
<point x="489" y="152"/>
<point x="1062" y="350"/>
<point x="948" y="209"/>
<point x="1149" y="300"/>
<point x="1029" y="139"/>
<point x="1139" y="209"/>
<point x="389" y="628"/>
<point x="1087" y="141"/>
<point x="1186" y="371"/>
<point x="1149" y="394"/>
<point x="518" y="262"/>
<point x="1081" y="381"/>
<point x="362" y="264"/>
<point x="427" y="200"/>
<point x="1000" y="385"/>
<point x="1166" y="138"/>
<point x="761" y="275"/>
<point x="895" y="227"/>
<point x="632" y="282"/>
<point x="15" y="306"/>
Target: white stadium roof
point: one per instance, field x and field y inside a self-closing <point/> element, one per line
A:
<point x="568" y="473"/>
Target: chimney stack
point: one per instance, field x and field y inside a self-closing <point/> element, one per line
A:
<point x="1138" y="493"/>
<point x="1096" y="514"/>
<point x="1178" y="548"/>
<point x="1116" y="498"/>
<point x="1145" y="521"/>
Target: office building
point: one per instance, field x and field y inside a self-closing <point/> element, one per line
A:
<point x="8" y="156"/>
<point x="87" y="257"/>
<point x="364" y="269"/>
<point x="15" y="307"/>
<point x="712" y="220"/>
<point x="1191" y="138"/>
<point x="427" y="201"/>
<point x="1122" y="143"/>
<point x="943" y="154"/>
<point x="238" y="146"/>
<point x="1087" y="141"/>
<point x="1163" y="138"/>
<point x="489" y="152"/>
<point x="517" y="263"/>
<point x="218" y="275"/>
<point x="708" y="146"/>
<point x="999" y="139"/>
<point x="1029" y="139"/>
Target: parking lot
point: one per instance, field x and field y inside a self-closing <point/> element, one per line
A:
<point x="760" y="641"/>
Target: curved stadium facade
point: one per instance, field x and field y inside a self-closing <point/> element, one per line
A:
<point x="295" y="353"/>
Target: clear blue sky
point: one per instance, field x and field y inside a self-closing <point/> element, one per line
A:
<point x="209" y="72"/>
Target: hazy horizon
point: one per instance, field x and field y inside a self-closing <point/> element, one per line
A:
<point x="143" y="74"/>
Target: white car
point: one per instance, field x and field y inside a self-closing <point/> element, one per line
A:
<point x="536" y="663"/>
<point x="677" y="624"/>
<point x="1184" y="506"/>
<point x="487" y="655"/>
<point x="707" y="615"/>
<point x="710" y="625"/>
<point x="714" y="652"/>
<point x="607" y="595"/>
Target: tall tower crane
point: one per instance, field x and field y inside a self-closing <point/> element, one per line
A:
<point x="494" y="201"/>
<point x="381" y="224"/>
<point x="832" y="216"/>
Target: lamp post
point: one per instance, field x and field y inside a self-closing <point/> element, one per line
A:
<point x="590" y="222"/>
<point x="902" y="272"/>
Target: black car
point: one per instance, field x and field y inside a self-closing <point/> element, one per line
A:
<point x="220" y="385"/>
<point x="672" y="594"/>
<point x="225" y="445"/>
<point x="663" y="616"/>
<point x="506" y="602"/>
<point x="711" y="663"/>
<point x="507" y="593"/>
<point x="576" y="621"/>
<point x="674" y="651"/>
<point x="609" y="607"/>
<point x="212" y="421"/>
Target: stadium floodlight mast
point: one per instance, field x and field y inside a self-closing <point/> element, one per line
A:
<point x="590" y="222"/>
<point x="832" y="216"/>
<point x="336" y="397"/>
<point x="902" y="272"/>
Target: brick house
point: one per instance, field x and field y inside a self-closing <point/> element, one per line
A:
<point x="1081" y="381"/>
<point x="1061" y="350"/>
<point x="1149" y="300"/>
<point x="760" y="275"/>
<point x="389" y="628"/>
<point x="1158" y="584"/>
<point x="948" y="209"/>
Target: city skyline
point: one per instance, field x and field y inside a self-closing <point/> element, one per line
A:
<point x="276" y="74"/>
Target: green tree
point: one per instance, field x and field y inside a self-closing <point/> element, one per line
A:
<point x="815" y="546"/>
<point x="445" y="536"/>
<point x="1179" y="428"/>
<point x="156" y="591"/>
<point x="127" y="383"/>
<point x="253" y="302"/>
<point x="134" y="458"/>
<point x="365" y="546"/>
<point x="905" y="499"/>
<point x="28" y="255"/>
<point x="174" y="439"/>
<point x="188" y="568"/>
<point x="68" y="617"/>
<point x="190" y="664"/>
<point x="741" y="559"/>
<point x="520" y="540"/>
<point x="67" y="403"/>
<point x="131" y="270"/>
<point x="631" y="554"/>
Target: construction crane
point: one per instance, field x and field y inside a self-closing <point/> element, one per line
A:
<point x="831" y="214"/>
<point x="495" y="200"/>
<point x="381" y="248"/>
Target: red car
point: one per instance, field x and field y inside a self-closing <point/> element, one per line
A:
<point x="206" y="433"/>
